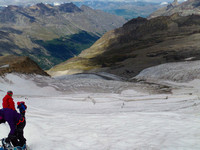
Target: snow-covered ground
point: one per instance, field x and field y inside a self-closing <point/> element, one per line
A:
<point x="91" y="113"/>
<point x="180" y="72"/>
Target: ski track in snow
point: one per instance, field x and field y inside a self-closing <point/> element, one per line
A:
<point x="110" y="120"/>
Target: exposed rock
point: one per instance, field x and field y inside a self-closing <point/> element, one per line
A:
<point x="69" y="8"/>
<point x="172" y="5"/>
<point x="19" y="64"/>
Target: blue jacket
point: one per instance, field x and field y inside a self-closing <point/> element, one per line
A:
<point x="10" y="116"/>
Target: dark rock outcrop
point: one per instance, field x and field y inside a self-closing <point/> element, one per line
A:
<point x="19" y="64"/>
<point x="69" y="7"/>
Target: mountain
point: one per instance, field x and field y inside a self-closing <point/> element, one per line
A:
<point x="128" y="10"/>
<point x="68" y="17"/>
<point x="184" y="9"/>
<point x="35" y="30"/>
<point x="19" y="64"/>
<point x="139" y="44"/>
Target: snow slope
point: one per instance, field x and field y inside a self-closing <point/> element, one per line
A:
<point x="180" y="72"/>
<point x="83" y="113"/>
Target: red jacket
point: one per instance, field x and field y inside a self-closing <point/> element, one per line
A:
<point x="8" y="102"/>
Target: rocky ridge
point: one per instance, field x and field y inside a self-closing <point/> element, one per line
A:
<point x="186" y="8"/>
<point x="19" y="64"/>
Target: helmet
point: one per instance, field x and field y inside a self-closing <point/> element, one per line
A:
<point x="10" y="93"/>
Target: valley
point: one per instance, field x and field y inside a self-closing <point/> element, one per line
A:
<point x="29" y="30"/>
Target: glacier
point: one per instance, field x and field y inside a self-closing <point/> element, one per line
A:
<point x="88" y="111"/>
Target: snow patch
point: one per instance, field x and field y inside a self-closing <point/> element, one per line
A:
<point x="190" y="58"/>
<point x="21" y="86"/>
<point x="164" y="3"/>
<point x="130" y="92"/>
<point x="56" y="4"/>
<point x="5" y="66"/>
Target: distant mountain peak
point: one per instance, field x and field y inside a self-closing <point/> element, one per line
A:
<point x="184" y="9"/>
<point x="173" y="4"/>
<point x="85" y="7"/>
<point x="43" y="6"/>
<point x="69" y="7"/>
<point x="135" y="21"/>
<point x="41" y="9"/>
<point x="12" y="8"/>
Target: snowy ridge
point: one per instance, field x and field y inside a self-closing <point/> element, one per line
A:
<point x="91" y="113"/>
<point x="82" y="83"/>
<point x="180" y="72"/>
<point x="25" y="85"/>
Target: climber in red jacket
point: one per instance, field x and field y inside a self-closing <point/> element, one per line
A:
<point x="8" y="101"/>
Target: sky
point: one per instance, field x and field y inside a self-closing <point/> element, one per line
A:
<point x="9" y="2"/>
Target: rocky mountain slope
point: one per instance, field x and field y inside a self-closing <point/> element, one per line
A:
<point x="139" y="44"/>
<point x="33" y="31"/>
<point x="68" y="17"/>
<point x="19" y="64"/>
<point x="184" y="9"/>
